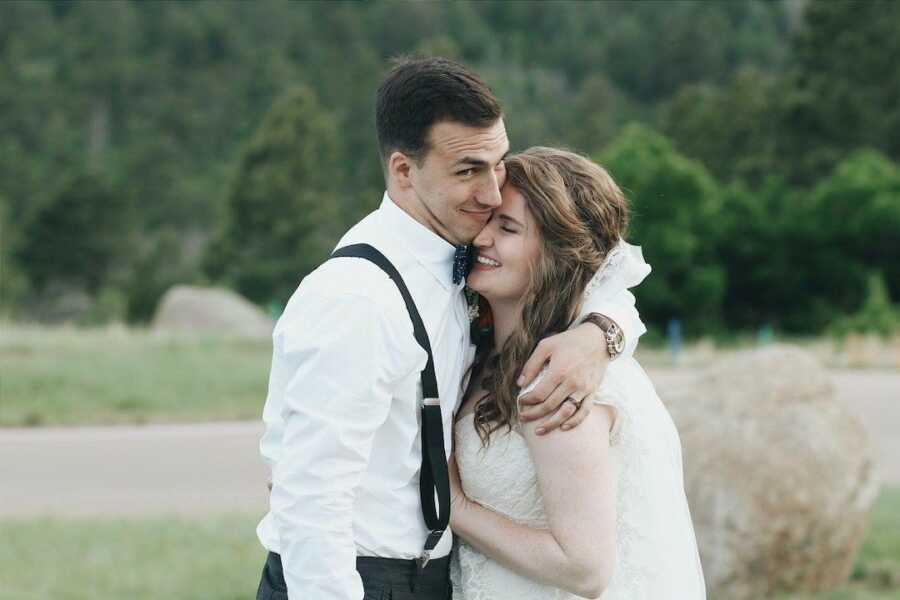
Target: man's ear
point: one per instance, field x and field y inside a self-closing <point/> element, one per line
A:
<point x="399" y="167"/>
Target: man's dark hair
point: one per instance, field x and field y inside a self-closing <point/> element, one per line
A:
<point x="418" y="93"/>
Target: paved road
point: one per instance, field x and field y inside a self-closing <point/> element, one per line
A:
<point x="154" y="469"/>
<point x="205" y="468"/>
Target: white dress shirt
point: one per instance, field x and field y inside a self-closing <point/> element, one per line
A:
<point x="342" y="411"/>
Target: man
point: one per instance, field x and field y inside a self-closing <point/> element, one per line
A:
<point x="342" y="435"/>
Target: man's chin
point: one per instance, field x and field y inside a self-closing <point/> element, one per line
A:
<point x="470" y="228"/>
<point x="469" y="236"/>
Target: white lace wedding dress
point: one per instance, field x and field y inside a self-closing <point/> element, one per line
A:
<point x="657" y="551"/>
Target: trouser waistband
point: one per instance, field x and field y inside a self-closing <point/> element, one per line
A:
<point x="389" y="571"/>
<point x="398" y="571"/>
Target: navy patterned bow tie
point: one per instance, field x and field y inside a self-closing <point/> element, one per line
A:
<point x="462" y="262"/>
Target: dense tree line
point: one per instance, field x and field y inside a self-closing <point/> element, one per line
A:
<point x="233" y="141"/>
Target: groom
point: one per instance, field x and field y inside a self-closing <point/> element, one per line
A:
<point x="342" y="433"/>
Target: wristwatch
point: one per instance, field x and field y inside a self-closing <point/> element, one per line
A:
<point x="615" y="339"/>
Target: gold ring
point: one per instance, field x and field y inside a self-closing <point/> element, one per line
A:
<point x="573" y="401"/>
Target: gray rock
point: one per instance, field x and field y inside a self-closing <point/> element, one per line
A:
<point x="60" y="304"/>
<point x="780" y="477"/>
<point x="210" y="310"/>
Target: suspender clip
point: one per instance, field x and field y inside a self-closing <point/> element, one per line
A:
<point x="433" y="538"/>
<point x="424" y="558"/>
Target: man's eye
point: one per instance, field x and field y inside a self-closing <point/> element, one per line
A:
<point x="466" y="172"/>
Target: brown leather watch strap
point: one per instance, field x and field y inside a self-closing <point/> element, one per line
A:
<point x="615" y="339"/>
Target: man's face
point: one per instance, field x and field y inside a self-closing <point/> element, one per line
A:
<point x="458" y="183"/>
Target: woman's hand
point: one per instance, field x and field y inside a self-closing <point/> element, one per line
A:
<point x="578" y="361"/>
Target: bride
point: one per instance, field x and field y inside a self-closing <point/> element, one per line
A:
<point x="597" y="511"/>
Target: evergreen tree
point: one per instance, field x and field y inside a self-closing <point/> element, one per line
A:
<point x="842" y="92"/>
<point x="730" y="129"/>
<point x="283" y="214"/>
<point x="13" y="284"/>
<point x="82" y="237"/>
<point x="162" y="98"/>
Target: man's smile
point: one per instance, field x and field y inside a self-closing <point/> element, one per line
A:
<point x="481" y="215"/>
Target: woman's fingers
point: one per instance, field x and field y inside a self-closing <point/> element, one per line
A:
<point x="563" y="414"/>
<point x="584" y="409"/>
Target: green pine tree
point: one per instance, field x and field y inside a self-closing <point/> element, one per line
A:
<point x="841" y="93"/>
<point x="283" y="211"/>
<point x="81" y="238"/>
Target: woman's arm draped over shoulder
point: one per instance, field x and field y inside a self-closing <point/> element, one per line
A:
<point x="578" y="553"/>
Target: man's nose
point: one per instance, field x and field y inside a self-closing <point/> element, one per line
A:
<point x="490" y="193"/>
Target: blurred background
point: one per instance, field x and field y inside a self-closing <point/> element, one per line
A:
<point x="169" y="171"/>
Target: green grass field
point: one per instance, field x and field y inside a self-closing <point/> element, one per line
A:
<point x="146" y="559"/>
<point x="73" y="376"/>
<point x="220" y="559"/>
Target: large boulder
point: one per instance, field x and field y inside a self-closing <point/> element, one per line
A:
<point x="780" y="476"/>
<point x="210" y="310"/>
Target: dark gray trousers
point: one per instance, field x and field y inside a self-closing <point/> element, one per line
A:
<point x="383" y="579"/>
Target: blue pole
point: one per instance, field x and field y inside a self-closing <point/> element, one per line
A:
<point x="673" y="334"/>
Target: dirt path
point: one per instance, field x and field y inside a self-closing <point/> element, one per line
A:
<point x="200" y="469"/>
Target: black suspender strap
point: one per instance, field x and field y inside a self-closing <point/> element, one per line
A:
<point x="433" y="476"/>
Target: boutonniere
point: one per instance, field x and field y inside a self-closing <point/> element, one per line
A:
<point x="481" y="320"/>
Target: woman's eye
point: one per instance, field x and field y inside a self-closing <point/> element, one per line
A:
<point x="508" y="229"/>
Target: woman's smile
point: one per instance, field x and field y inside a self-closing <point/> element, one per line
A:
<point x="483" y="262"/>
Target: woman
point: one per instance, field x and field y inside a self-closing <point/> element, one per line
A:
<point x="597" y="511"/>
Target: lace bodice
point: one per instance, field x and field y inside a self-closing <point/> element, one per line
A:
<point x="657" y="552"/>
<point x="502" y="478"/>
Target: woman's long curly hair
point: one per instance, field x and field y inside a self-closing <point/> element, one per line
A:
<point x="581" y="214"/>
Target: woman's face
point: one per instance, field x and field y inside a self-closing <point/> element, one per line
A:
<point x="507" y="248"/>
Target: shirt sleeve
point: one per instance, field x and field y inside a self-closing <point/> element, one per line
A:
<point x="620" y="308"/>
<point x="341" y="357"/>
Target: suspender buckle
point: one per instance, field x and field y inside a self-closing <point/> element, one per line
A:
<point x="433" y="538"/>
<point x="424" y="558"/>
